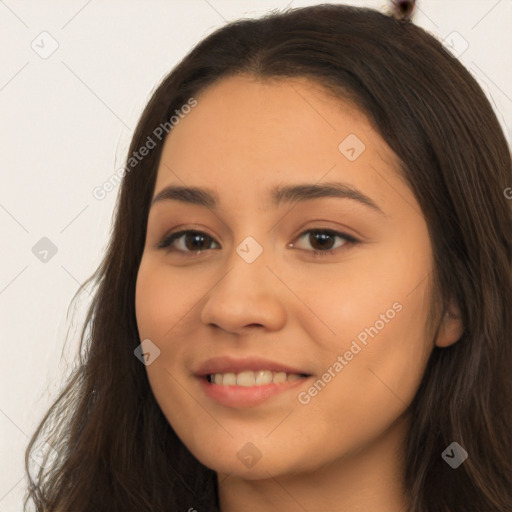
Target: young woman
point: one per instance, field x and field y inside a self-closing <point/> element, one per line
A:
<point x="306" y="301"/>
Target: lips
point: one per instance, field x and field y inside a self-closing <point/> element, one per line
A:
<point x="246" y="394"/>
<point x="229" y="364"/>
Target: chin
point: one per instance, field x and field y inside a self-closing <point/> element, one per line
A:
<point x="256" y="460"/>
<point x="233" y="467"/>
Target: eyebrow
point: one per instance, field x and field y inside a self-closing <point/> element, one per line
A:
<point x="279" y="195"/>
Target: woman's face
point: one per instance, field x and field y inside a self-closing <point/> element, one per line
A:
<point x="248" y="306"/>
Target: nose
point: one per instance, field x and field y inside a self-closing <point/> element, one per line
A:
<point x="245" y="296"/>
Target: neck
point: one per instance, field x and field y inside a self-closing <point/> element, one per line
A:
<point x="369" y="479"/>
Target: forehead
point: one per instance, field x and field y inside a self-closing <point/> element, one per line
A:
<point x="247" y="134"/>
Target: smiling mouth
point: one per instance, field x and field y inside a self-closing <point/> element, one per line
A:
<point x="249" y="378"/>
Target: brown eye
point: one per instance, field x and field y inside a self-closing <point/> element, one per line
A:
<point x="189" y="241"/>
<point x="323" y="241"/>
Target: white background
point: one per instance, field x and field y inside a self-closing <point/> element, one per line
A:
<point x="65" y="127"/>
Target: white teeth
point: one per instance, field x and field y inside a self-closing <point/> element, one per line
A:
<point x="264" y="377"/>
<point x="229" y="379"/>
<point x="279" y="377"/>
<point x="249" y="378"/>
<point x="246" y="379"/>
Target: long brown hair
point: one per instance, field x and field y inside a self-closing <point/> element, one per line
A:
<point x="116" y="450"/>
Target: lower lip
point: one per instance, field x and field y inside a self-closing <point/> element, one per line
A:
<point x="242" y="396"/>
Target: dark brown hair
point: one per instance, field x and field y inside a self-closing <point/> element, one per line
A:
<point x="116" y="450"/>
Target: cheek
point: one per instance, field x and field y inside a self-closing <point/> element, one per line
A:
<point x="165" y="305"/>
<point x="158" y="312"/>
<point x="381" y="338"/>
<point x="161" y="300"/>
<point x="148" y="302"/>
<point x="371" y="390"/>
<point x="397" y="356"/>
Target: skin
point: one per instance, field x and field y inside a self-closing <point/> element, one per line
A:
<point x="342" y="450"/>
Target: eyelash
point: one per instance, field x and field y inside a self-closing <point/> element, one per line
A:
<point x="349" y="240"/>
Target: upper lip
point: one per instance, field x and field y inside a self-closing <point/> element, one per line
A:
<point x="225" y="364"/>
